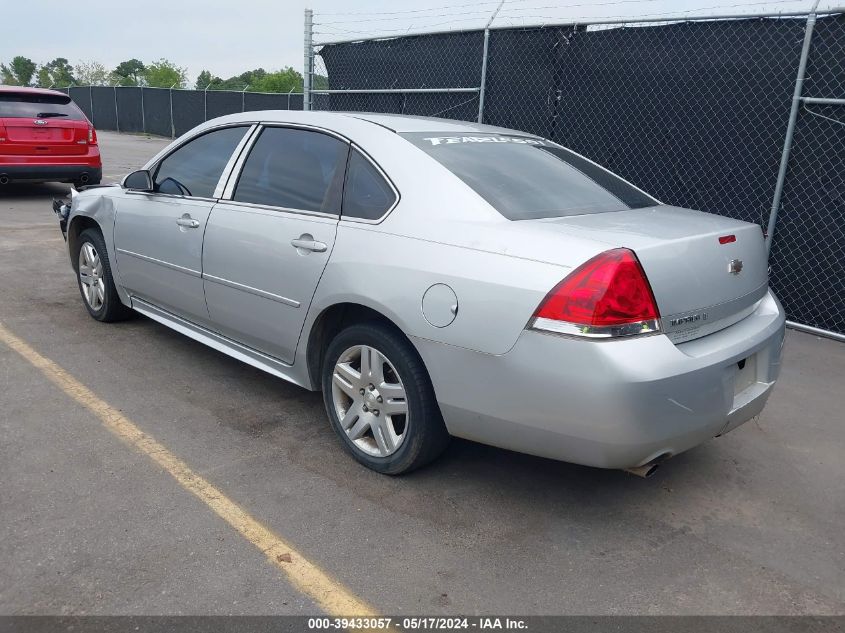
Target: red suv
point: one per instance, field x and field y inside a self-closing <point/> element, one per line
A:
<point x="44" y="136"/>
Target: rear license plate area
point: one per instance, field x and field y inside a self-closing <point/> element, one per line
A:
<point x="49" y="135"/>
<point x="746" y="374"/>
<point x="36" y="135"/>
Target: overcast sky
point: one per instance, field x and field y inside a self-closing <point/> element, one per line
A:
<point x="228" y="37"/>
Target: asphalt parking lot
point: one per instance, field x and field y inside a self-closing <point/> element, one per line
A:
<point x="750" y="523"/>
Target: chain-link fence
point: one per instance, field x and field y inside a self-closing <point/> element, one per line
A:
<point x="169" y="112"/>
<point x="698" y="112"/>
<point x="808" y="250"/>
<point x="435" y="75"/>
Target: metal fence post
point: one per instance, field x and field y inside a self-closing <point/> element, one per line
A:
<point x="116" y="111"/>
<point x="91" y="99"/>
<point x="243" y="98"/>
<point x="308" y="62"/>
<point x="790" y="129"/>
<point x="205" y="103"/>
<point x="172" y="122"/>
<point x="485" y="53"/>
<point x="483" y="85"/>
<point x="143" y="115"/>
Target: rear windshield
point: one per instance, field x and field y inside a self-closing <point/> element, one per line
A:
<point x="527" y="178"/>
<point x="38" y="106"/>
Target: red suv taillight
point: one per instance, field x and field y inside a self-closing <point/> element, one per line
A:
<point x="606" y="297"/>
<point x="92" y="135"/>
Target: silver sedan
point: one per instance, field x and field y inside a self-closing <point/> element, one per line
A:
<point x="438" y="278"/>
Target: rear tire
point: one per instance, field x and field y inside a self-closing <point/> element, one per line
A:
<point x="94" y="277"/>
<point x="380" y="400"/>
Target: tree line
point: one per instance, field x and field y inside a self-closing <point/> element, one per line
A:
<point x="59" y="73"/>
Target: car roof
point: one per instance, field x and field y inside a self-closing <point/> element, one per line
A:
<point x="399" y="123"/>
<point x="27" y="90"/>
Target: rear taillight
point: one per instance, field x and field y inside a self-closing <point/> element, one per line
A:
<point x="92" y="135"/>
<point x="606" y="297"/>
<point x="2" y="133"/>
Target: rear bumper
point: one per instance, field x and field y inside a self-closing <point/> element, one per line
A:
<point x="51" y="173"/>
<point x="612" y="404"/>
<point x="46" y="168"/>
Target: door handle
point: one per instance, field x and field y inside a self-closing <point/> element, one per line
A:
<point x="188" y="222"/>
<point x="307" y="243"/>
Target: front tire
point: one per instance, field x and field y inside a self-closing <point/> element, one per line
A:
<point x="380" y="400"/>
<point x="96" y="284"/>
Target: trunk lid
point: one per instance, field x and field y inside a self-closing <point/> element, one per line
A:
<point x="53" y="136"/>
<point x="702" y="284"/>
<point x="41" y="122"/>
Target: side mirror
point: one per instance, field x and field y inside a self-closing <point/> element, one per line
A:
<point x="140" y="180"/>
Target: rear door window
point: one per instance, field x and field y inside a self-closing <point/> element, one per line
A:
<point x="366" y="194"/>
<point x="526" y="178"/>
<point x="294" y="169"/>
<point x="38" y="106"/>
<point x="195" y="167"/>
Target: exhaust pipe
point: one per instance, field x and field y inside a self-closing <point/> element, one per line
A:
<point x="4" y="179"/>
<point x="84" y="178"/>
<point x="645" y="471"/>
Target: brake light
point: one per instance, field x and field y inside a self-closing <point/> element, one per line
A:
<point x="608" y="296"/>
<point x="92" y="135"/>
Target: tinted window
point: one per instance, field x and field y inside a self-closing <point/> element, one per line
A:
<point x="38" y="106"/>
<point x="295" y="169"/>
<point x="366" y="193"/>
<point x="526" y="178"/>
<point x="195" y="168"/>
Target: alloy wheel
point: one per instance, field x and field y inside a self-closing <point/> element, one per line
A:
<point x="369" y="399"/>
<point x="91" y="276"/>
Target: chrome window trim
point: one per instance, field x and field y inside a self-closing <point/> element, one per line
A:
<point x="253" y="291"/>
<point x="247" y="206"/>
<point x="398" y="196"/>
<point x="229" y="191"/>
<point x="174" y="196"/>
<point x="160" y="262"/>
<point x="235" y="174"/>
<point x="307" y="126"/>
<point x="227" y="170"/>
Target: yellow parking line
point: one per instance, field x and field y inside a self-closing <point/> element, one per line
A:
<point x="304" y="575"/>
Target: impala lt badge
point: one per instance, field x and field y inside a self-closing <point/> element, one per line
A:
<point x="691" y="318"/>
<point x="40" y="122"/>
<point x="735" y="267"/>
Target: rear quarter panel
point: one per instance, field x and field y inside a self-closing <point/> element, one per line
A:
<point x="497" y="294"/>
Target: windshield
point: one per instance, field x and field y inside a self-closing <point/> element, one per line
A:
<point x="38" y="106"/>
<point x="527" y="178"/>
